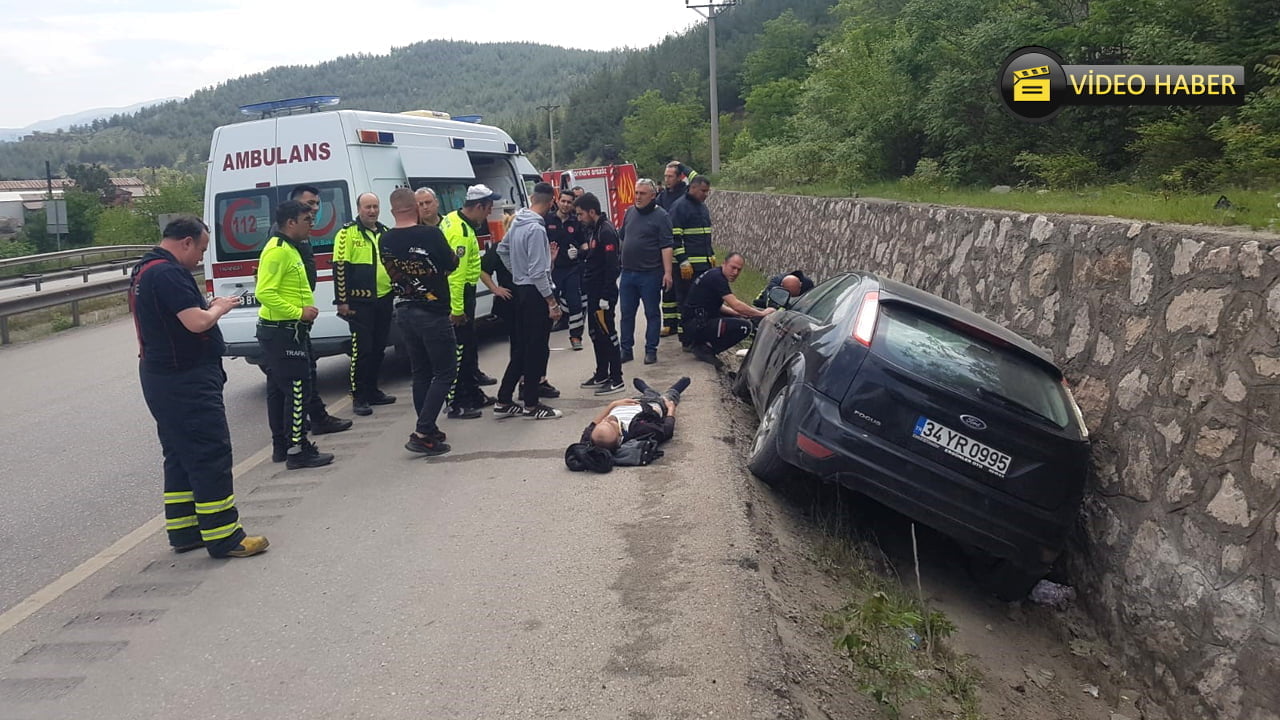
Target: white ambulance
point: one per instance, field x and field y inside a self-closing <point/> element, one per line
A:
<point x="254" y="165"/>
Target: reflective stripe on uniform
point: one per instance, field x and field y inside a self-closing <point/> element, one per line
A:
<point x="693" y="231"/>
<point x="219" y="533"/>
<point x="217" y="506"/>
<point x="180" y="523"/>
<point x="699" y="260"/>
<point x="174" y="498"/>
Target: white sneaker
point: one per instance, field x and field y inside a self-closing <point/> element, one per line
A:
<point x="541" y="412"/>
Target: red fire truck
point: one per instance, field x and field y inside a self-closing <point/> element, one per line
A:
<point x="614" y="185"/>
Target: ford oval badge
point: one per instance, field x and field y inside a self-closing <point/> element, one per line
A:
<point x="973" y="422"/>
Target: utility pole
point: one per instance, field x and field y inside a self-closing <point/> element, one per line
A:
<point x="711" y="10"/>
<point x="551" y="129"/>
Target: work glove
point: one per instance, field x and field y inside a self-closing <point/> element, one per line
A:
<point x="686" y="270"/>
<point x="714" y="262"/>
<point x="572" y="252"/>
<point x="604" y="304"/>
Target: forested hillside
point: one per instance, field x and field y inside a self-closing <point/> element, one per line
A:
<point x="502" y="81"/>
<point x="906" y="88"/>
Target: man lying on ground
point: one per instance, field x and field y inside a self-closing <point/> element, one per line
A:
<point x="628" y="431"/>
<point x="651" y="415"/>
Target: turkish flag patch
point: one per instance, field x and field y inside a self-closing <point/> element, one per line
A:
<point x="609" y="248"/>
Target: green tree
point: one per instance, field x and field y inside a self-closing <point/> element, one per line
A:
<point x="83" y="209"/>
<point x="176" y="193"/>
<point x="658" y="130"/>
<point x="90" y="178"/>
<point x="123" y="226"/>
<point x="782" y="51"/>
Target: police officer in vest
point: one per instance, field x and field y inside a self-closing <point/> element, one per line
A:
<point x="284" y="333"/>
<point x="362" y="292"/>
<point x="459" y="228"/>
<point x="691" y="232"/>
<point x="321" y="421"/>
<point x="180" y="366"/>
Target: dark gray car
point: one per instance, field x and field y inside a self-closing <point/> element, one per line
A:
<point x="937" y="412"/>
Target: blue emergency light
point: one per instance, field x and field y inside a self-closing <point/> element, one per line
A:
<point x="457" y="143"/>
<point x="468" y="118"/>
<point x="511" y="148"/>
<point x="310" y="103"/>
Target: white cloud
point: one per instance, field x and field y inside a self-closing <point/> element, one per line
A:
<point x="94" y="53"/>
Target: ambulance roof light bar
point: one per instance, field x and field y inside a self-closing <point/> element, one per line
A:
<point x="311" y="103"/>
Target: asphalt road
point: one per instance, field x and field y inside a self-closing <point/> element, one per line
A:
<point x="489" y="583"/>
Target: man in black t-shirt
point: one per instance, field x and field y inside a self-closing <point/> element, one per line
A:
<point x="180" y="352"/>
<point x="714" y="318"/>
<point x="419" y="260"/>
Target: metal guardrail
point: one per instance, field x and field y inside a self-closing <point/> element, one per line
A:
<point x="39" y="279"/>
<point x="83" y="253"/>
<point x="54" y="298"/>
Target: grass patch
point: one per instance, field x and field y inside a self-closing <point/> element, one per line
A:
<point x="41" y="323"/>
<point x="1258" y="209"/>
<point x="896" y="646"/>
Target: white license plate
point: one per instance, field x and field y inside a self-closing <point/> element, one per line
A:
<point x="962" y="446"/>
<point x="249" y="300"/>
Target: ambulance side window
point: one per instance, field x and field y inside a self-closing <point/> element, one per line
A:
<point x="335" y="211"/>
<point x="242" y="223"/>
<point x="451" y="193"/>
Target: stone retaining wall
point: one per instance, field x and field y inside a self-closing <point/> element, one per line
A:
<point x="1168" y="335"/>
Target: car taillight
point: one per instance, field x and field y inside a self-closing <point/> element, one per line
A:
<point x="864" y="327"/>
<point x="1084" y="431"/>
<point x="208" y="286"/>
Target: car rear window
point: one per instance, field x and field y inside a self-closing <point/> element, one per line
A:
<point x="929" y="347"/>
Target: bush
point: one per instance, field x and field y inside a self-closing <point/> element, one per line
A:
<point x="778" y="165"/>
<point x="927" y="176"/>
<point x="1059" y="171"/>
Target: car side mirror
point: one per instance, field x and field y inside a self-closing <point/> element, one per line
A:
<point x="780" y="297"/>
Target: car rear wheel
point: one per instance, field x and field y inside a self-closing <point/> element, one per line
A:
<point x="764" y="461"/>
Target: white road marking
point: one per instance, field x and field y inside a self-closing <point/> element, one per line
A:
<point x="37" y="600"/>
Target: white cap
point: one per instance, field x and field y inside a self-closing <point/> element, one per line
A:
<point x="481" y="192"/>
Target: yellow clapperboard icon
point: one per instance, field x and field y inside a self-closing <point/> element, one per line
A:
<point x="1027" y="89"/>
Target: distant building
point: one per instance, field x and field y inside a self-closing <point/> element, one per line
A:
<point x="19" y="196"/>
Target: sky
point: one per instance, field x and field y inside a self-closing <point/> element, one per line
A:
<point x="77" y="55"/>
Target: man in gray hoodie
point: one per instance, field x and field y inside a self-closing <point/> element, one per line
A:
<point x="526" y="253"/>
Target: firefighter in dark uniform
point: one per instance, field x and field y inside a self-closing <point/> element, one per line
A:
<point x="362" y="292"/>
<point x="566" y="271"/>
<point x="321" y="421"/>
<point x="284" y="333"/>
<point x="691" y="231"/>
<point x="674" y="186"/>
<point x="180" y="367"/>
<point x="601" y="265"/>
<point x="459" y="228"/>
<point x="714" y="318"/>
